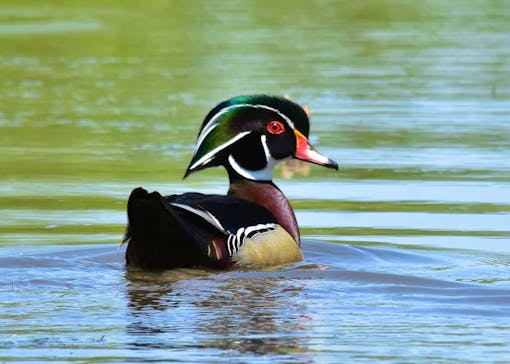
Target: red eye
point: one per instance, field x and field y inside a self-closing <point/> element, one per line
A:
<point x="275" y="127"/>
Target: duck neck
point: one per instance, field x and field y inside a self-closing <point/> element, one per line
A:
<point x="266" y="194"/>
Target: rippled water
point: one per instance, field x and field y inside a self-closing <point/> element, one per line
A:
<point x="407" y="248"/>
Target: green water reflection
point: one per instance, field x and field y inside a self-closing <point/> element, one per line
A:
<point x="96" y="92"/>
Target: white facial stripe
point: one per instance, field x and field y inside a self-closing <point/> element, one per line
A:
<point x="207" y="157"/>
<point x="204" y="133"/>
<point x="263" y="140"/>
<point x="211" y="124"/>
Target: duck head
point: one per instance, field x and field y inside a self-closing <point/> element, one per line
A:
<point x="249" y="135"/>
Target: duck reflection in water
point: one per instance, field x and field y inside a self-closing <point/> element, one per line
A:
<point x="247" y="312"/>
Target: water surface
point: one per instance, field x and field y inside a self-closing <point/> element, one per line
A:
<point x="407" y="248"/>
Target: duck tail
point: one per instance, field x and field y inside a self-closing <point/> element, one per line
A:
<point x="162" y="236"/>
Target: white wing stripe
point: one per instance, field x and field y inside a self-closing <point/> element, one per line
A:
<point x="236" y="241"/>
<point x="206" y="215"/>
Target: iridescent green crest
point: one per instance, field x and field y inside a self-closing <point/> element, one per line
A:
<point x="234" y="119"/>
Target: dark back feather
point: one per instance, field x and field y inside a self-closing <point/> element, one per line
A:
<point x="161" y="235"/>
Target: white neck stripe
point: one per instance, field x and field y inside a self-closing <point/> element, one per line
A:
<point x="264" y="174"/>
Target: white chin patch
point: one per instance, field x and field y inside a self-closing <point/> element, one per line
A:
<point x="265" y="174"/>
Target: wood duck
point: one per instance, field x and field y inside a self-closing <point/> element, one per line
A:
<point x="254" y="224"/>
